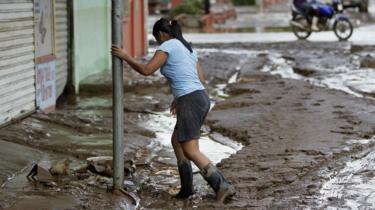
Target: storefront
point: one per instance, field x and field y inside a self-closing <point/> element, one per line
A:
<point x="46" y="45"/>
<point x="17" y="67"/>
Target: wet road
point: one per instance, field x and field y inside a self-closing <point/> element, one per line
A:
<point x="277" y="97"/>
<point x="348" y="185"/>
<point x="363" y="35"/>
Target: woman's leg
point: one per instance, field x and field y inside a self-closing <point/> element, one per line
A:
<point x="184" y="168"/>
<point x="191" y="151"/>
<point x="209" y="172"/>
<point x="177" y="148"/>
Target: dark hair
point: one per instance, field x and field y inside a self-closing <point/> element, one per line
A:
<point x="172" y="28"/>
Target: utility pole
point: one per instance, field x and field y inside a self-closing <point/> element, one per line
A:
<point x="117" y="100"/>
<point x="260" y="5"/>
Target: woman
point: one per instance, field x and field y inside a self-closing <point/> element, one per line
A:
<point x="179" y="64"/>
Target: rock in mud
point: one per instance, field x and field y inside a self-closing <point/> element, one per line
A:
<point x="40" y="174"/>
<point x="304" y="71"/>
<point x="103" y="165"/>
<point x="60" y="168"/>
<point x="368" y="62"/>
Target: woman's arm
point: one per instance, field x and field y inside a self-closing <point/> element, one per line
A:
<point x="200" y="73"/>
<point x="154" y="64"/>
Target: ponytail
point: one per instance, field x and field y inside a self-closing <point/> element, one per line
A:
<point x="172" y="28"/>
<point x="177" y="33"/>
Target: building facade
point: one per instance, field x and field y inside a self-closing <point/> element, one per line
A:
<point x="48" y="45"/>
<point x="17" y="54"/>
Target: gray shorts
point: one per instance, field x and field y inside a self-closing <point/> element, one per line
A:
<point x="191" y="110"/>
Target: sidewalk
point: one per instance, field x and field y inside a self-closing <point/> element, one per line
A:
<point x="363" y="35"/>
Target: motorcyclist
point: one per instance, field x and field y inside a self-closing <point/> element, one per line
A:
<point x="307" y="7"/>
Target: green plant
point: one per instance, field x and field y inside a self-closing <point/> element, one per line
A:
<point x="244" y="2"/>
<point x="190" y="7"/>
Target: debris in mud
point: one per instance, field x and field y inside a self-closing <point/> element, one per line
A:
<point x="368" y="62"/>
<point x="41" y="175"/>
<point x="135" y="199"/>
<point x="304" y="71"/>
<point x="61" y="167"/>
<point x="33" y="172"/>
<point x="103" y="165"/>
<point x="260" y="110"/>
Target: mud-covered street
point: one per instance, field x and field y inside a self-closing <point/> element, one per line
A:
<point x="291" y="127"/>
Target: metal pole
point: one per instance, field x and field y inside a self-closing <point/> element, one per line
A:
<point x="260" y="4"/>
<point x="118" y="94"/>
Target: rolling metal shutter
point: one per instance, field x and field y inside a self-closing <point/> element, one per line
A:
<point x="17" y="73"/>
<point x="61" y="33"/>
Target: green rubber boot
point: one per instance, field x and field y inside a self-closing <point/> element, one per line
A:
<point x="218" y="183"/>
<point x="186" y="178"/>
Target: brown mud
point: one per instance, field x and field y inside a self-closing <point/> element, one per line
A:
<point x="291" y="130"/>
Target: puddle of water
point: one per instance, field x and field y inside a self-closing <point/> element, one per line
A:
<point x="234" y="77"/>
<point x="60" y="136"/>
<point x="163" y="123"/>
<point x="242" y="52"/>
<point x="357" y="82"/>
<point x="84" y="102"/>
<point x="280" y="66"/>
<point x="219" y="90"/>
<point x="353" y="186"/>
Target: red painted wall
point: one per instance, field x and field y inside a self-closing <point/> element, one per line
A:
<point x="175" y="3"/>
<point x="134" y="29"/>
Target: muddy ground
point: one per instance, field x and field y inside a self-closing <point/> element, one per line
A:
<point x="298" y="130"/>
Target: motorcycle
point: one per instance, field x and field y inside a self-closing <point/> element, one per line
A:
<point x="331" y="17"/>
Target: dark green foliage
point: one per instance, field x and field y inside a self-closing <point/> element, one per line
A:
<point x="190" y="7"/>
<point x="243" y="2"/>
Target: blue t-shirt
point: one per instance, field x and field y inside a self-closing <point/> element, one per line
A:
<point x="180" y="69"/>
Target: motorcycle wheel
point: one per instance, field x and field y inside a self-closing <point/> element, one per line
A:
<point x="343" y="29"/>
<point x="300" y="33"/>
